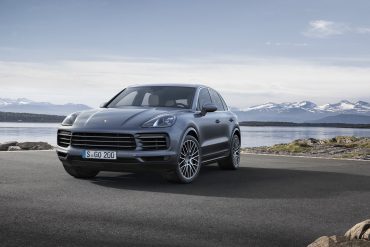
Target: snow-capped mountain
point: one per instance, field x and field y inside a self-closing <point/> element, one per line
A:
<point x="28" y="106"/>
<point x="19" y="101"/>
<point x="345" y="105"/>
<point x="342" y="106"/>
<point x="284" y="107"/>
<point x="301" y="111"/>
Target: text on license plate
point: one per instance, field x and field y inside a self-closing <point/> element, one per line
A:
<point x="105" y="155"/>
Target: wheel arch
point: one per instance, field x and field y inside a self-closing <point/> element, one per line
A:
<point x="236" y="131"/>
<point x="192" y="132"/>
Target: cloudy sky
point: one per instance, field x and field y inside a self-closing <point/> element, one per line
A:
<point x="251" y="51"/>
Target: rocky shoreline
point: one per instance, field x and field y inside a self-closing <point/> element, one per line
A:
<point x="18" y="146"/>
<point x="357" y="236"/>
<point x="341" y="147"/>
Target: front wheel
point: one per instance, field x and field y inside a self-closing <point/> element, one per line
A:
<point x="232" y="162"/>
<point x="188" y="162"/>
<point x="80" y="172"/>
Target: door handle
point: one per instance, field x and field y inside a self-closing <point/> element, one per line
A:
<point x="217" y="121"/>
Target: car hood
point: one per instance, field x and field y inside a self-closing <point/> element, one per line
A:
<point x="116" y="118"/>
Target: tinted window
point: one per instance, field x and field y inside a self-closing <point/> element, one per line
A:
<point x="223" y="103"/>
<point x="217" y="100"/>
<point x="128" y="100"/>
<point x="155" y="96"/>
<point x="204" y="98"/>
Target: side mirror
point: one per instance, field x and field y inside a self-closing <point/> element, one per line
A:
<point x="208" y="108"/>
<point x="102" y="105"/>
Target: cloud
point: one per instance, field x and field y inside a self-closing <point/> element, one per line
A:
<point x="269" y="43"/>
<point x="325" y="28"/>
<point x="244" y="82"/>
<point x="363" y="30"/>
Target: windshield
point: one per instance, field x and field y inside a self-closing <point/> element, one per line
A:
<point x="155" y="96"/>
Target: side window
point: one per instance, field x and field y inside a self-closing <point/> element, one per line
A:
<point x="217" y="100"/>
<point x="224" y="103"/>
<point x="204" y="98"/>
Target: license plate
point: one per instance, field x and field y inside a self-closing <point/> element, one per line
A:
<point x="100" y="155"/>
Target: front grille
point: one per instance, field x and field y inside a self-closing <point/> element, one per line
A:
<point x="64" y="138"/>
<point x="153" y="141"/>
<point x="103" y="141"/>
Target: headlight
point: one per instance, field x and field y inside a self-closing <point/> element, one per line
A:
<point x="161" y="121"/>
<point x="69" y="120"/>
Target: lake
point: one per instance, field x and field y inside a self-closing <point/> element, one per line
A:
<point x="251" y="136"/>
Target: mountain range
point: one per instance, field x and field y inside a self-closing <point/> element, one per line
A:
<point x="298" y="112"/>
<point x="306" y="111"/>
<point x="25" y="105"/>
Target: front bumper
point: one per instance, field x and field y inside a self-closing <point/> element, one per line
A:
<point x="127" y="160"/>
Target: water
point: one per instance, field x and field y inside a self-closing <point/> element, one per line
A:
<point x="21" y="132"/>
<point x="251" y="136"/>
<point x="267" y="136"/>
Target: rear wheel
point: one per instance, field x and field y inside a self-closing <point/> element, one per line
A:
<point x="188" y="164"/>
<point x="80" y="172"/>
<point x="233" y="160"/>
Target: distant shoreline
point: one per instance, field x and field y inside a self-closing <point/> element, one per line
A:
<point x="314" y="125"/>
<point x="14" y="117"/>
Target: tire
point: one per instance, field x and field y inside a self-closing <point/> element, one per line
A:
<point x="188" y="162"/>
<point x="232" y="162"/>
<point x="80" y="172"/>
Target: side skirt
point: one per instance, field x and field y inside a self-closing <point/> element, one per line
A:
<point x="215" y="156"/>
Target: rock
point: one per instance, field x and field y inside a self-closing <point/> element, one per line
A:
<point x="35" y="146"/>
<point x="357" y="236"/>
<point x="337" y="151"/>
<point x="323" y="141"/>
<point x="359" y="231"/>
<point x="345" y="139"/>
<point x="303" y="143"/>
<point x="14" y="148"/>
<point x="312" y="141"/>
<point x="345" y="147"/>
<point x="338" y="241"/>
<point x="6" y="145"/>
<point x="366" y="235"/>
<point x="326" y="241"/>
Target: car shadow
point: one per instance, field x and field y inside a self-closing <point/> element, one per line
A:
<point x="243" y="183"/>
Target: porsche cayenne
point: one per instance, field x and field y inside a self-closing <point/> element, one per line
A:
<point x="170" y="128"/>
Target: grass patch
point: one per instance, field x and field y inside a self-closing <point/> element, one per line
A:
<point x="338" y="147"/>
<point x="290" y="148"/>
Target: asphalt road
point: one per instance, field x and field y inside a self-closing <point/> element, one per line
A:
<point x="269" y="201"/>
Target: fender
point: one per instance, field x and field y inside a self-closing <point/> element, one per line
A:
<point x="186" y="132"/>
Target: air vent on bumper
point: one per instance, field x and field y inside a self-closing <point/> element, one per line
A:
<point x="64" y="138"/>
<point x="152" y="141"/>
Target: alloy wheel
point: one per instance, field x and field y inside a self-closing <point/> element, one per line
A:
<point x="236" y="151"/>
<point x="189" y="159"/>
